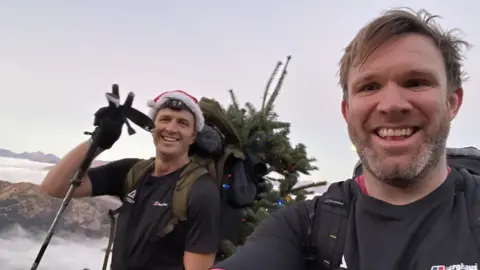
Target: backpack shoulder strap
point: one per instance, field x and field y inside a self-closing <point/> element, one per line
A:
<point x="476" y="215"/>
<point x="229" y="151"/>
<point x="470" y="185"/>
<point x="329" y="226"/>
<point x="191" y="173"/>
<point x="136" y="173"/>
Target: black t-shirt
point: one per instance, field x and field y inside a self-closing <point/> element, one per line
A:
<point x="153" y="196"/>
<point x="431" y="233"/>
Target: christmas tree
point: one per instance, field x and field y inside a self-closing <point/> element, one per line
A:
<point x="263" y="134"/>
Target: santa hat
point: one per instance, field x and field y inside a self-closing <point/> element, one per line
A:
<point x="188" y="100"/>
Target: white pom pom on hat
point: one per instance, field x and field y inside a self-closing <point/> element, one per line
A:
<point x="190" y="101"/>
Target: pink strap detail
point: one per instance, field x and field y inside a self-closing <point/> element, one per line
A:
<point x="361" y="183"/>
<point x="363" y="188"/>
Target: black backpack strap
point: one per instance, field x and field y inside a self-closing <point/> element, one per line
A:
<point x="309" y="248"/>
<point x="470" y="185"/>
<point x="466" y="161"/>
<point x="328" y="227"/>
<point x="475" y="219"/>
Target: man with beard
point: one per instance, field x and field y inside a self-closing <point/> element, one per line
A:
<point x="402" y="86"/>
<point x="193" y="243"/>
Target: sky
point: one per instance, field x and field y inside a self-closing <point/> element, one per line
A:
<point x="58" y="58"/>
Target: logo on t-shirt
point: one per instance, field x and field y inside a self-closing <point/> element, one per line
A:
<point x="343" y="265"/>
<point x="131" y="197"/>
<point x="455" y="267"/>
<point x="157" y="203"/>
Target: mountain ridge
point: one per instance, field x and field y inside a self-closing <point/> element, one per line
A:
<point x="39" y="156"/>
<point x="25" y="205"/>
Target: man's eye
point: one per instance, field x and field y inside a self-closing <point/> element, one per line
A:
<point x="370" y="87"/>
<point x="415" y="83"/>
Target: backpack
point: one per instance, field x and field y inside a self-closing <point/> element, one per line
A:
<point x="334" y="208"/>
<point x="216" y="152"/>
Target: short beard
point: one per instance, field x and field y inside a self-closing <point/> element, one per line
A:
<point x="426" y="158"/>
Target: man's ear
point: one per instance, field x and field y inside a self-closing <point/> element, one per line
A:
<point x="344" y="107"/>
<point x="454" y="102"/>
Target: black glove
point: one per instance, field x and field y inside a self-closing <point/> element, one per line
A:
<point x="109" y="122"/>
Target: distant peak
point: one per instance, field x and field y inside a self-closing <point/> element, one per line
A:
<point x="37" y="156"/>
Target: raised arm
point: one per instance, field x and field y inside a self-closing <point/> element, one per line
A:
<point x="103" y="180"/>
<point x="275" y="244"/>
<point x="108" y="122"/>
<point x="57" y="181"/>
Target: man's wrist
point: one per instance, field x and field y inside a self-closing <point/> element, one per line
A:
<point x="90" y="143"/>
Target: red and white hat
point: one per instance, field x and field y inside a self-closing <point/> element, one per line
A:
<point x="190" y="101"/>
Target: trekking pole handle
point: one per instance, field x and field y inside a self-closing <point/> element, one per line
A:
<point x="129" y="100"/>
<point x="113" y="98"/>
<point x="86" y="162"/>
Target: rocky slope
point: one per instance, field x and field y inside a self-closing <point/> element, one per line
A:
<point x="25" y="205"/>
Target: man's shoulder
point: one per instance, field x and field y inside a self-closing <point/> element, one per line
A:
<point x="341" y="190"/>
<point x="205" y="183"/>
<point x="464" y="178"/>
<point x="117" y="167"/>
<point x="204" y="189"/>
<point x="469" y="183"/>
<point x="337" y="190"/>
<point x="108" y="179"/>
<point x="121" y="163"/>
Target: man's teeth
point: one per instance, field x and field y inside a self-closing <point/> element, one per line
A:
<point x="169" y="139"/>
<point x="395" y="132"/>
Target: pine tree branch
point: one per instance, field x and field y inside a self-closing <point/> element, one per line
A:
<point x="267" y="88"/>
<point x="234" y="100"/>
<point x="276" y="92"/>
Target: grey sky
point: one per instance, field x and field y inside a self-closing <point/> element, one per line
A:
<point x="58" y="58"/>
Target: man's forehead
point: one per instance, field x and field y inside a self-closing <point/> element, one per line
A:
<point x="177" y="113"/>
<point x="412" y="54"/>
<point x="405" y="71"/>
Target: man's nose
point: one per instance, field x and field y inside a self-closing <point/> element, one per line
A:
<point x="394" y="100"/>
<point x="171" y="127"/>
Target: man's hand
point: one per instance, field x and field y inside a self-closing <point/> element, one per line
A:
<point x="195" y="261"/>
<point x="109" y="121"/>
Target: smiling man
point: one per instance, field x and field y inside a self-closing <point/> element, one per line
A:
<point x="402" y="86"/>
<point x="193" y="243"/>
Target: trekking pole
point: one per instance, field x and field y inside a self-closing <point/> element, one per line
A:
<point x="77" y="180"/>
<point x="113" y="98"/>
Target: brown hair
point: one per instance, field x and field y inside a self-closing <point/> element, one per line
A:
<point x="394" y="23"/>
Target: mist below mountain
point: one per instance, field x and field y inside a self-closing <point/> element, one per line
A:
<point x="22" y="203"/>
<point x="18" y="249"/>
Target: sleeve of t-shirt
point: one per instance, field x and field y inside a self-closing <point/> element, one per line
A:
<point x="203" y="222"/>
<point x="108" y="179"/>
<point x="275" y="244"/>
